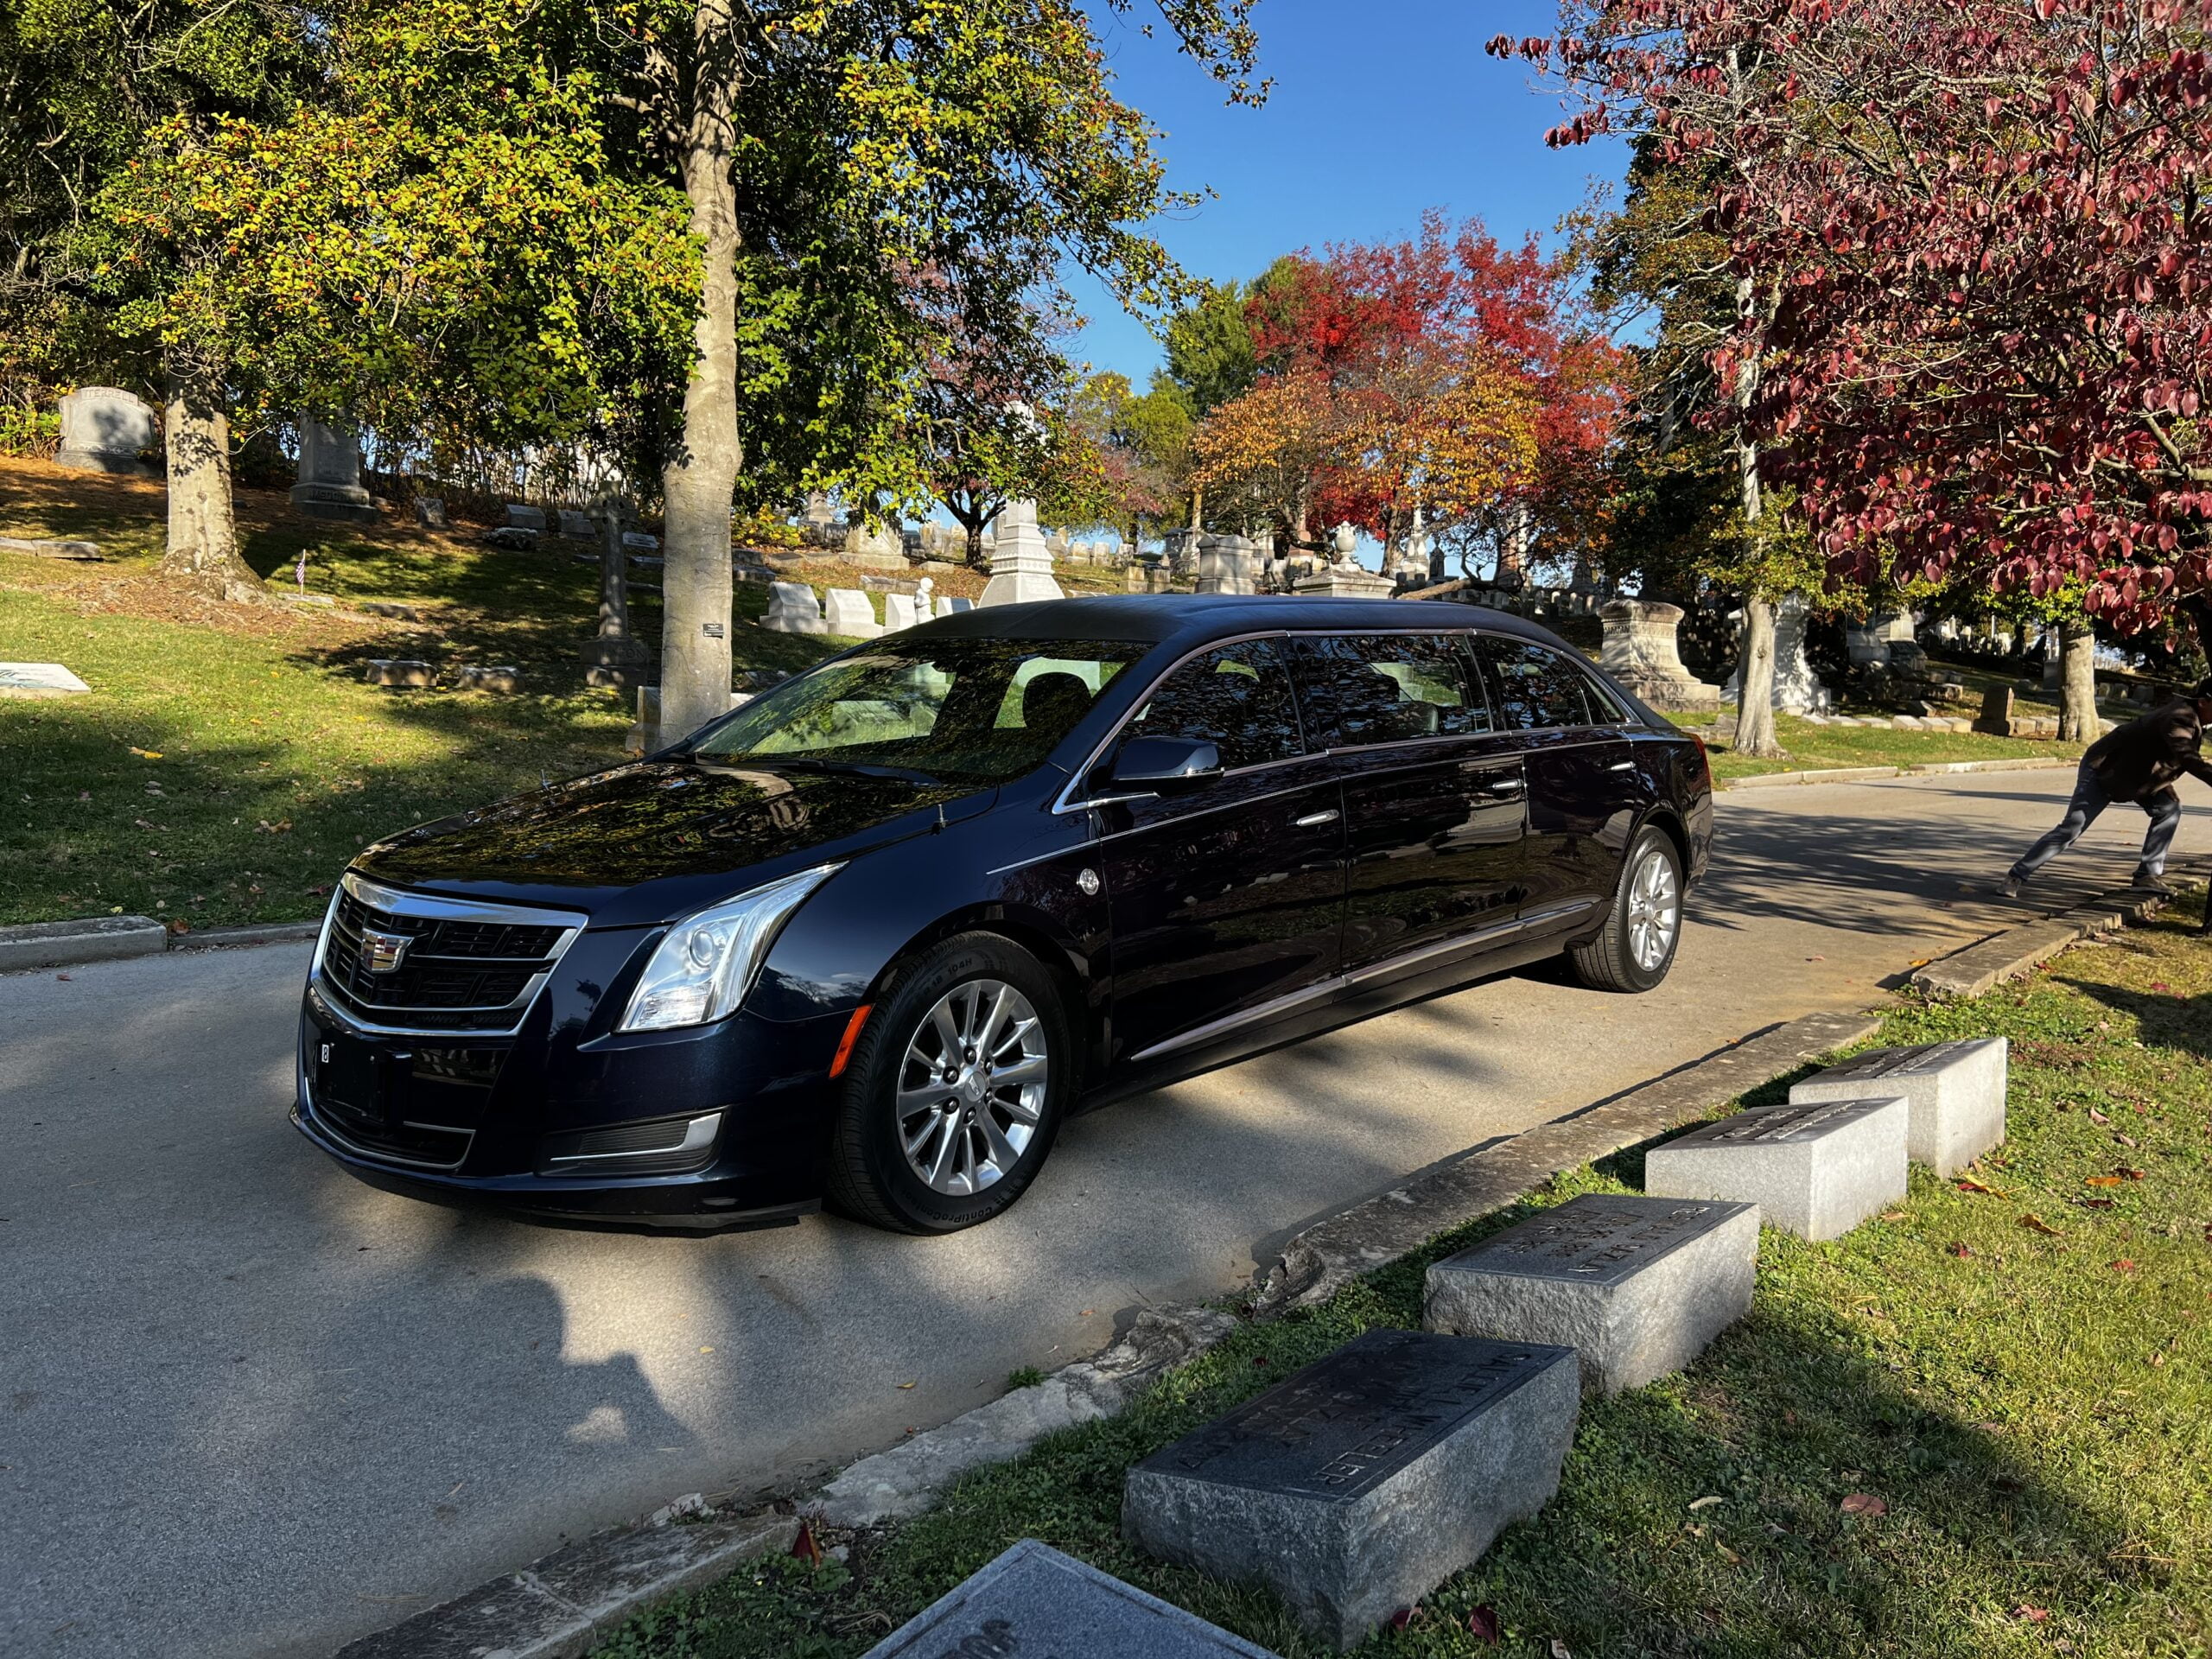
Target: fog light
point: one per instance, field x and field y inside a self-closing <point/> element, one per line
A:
<point x="660" y="1147"/>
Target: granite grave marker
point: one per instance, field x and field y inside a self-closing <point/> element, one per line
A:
<point x="1637" y="1285"/>
<point x="1816" y="1169"/>
<point x="1034" y="1603"/>
<point x="1956" y="1090"/>
<point x="1357" y="1486"/>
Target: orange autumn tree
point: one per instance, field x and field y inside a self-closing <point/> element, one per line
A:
<point x="1267" y="448"/>
<point x="1446" y="436"/>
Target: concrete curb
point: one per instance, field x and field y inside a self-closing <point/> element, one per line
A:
<point x="108" y="938"/>
<point x="1329" y="1256"/>
<point x="93" y="938"/>
<point x="1918" y="769"/>
<point x="563" y="1604"/>
<point x="2022" y="949"/>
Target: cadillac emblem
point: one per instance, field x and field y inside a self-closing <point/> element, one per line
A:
<point x="382" y="953"/>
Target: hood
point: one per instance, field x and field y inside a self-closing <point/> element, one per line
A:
<point x="657" y="839"/>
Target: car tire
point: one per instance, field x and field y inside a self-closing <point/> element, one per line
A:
<point x="899" y="1089"/>
<point x="1636" y="946"/>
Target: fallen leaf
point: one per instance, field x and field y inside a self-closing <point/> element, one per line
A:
<point x="2157" y="1360"/>
<point x="2028" y="1615"/>
<point x="2103" y="1180"/>
<point x="2127" y="1174"/>
<point x="2124" y="1265"/>
<point x="1816" y="958"/>
<point x="2207" y="1230"/>
<point x="2035" y="1224"/>
<point x="907" y="1385"/>
<point x="1561" y="1651"/>
<point x="2095" y="1203"/>
<point x="143" y="754"/>
<point x="706" y="1350"/>
<point x="2160" y="985"/>
<point x="1893" y="1215"/>
<point x="805" y="1547"/>
<point x="1920" y="961"/>
<point x="1958" y="1247"/>
<point x="1402" y="1618"/>
<point x="1705" y="1503"/>
<point x="1481" y="1623"/>
<point x="1865" y="1504"/>
<point x="2123" y="1140"/>
<point x="1968" y="1185"/>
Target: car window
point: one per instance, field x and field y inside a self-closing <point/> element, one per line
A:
<point x="1605" y="705"/>
<point x="1237" y="697"/>
<point x="986" y="710"/>
<point x="1536" y="687"/>
<point x="1386" y="688"/>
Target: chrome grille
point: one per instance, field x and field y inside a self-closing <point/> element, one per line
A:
<point x="468" y="967"/>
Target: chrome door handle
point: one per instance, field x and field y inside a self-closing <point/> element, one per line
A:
<point x="1622" y="766"/>
<point x="1504" y="786"/>
<point x="1312" y="819"/>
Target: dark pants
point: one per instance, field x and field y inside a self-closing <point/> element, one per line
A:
<point x="2089" y="800"/>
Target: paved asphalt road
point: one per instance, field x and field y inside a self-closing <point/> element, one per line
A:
<point x="248" y="1405"/>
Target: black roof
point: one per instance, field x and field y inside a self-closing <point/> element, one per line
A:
<point x="1188" y="618"/>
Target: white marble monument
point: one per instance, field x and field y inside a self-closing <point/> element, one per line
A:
<point x="1021" y="564"/>
<point x="107" y="429"/>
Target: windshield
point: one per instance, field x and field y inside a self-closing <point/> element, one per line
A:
<point x="980" y="710"/>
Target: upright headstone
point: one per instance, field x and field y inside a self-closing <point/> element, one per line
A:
<point x="329" y="484"/>
<point x="1996" y="716"/>
<point x="1636" y="1286"/>
<point x="1361" y="1483"/>
<point x="845" y="611"/>
<point x="1021" y="565"/>
<point x="523" y="516"/>
<point x="1227" y="564"/>
<point x="952" y="606"/>
<point x="576" y="526"/>
<point x="1061" y="545"/>
<point x="431" y="512"/>
<point x="107" y="429"/>
<point x="1640" y="650"/>
<point x="1956" y="1090"/>
<point x="792" y="609"/>
<point x="1797" y="687"/>
<point x="899" y="611"/>
<point x="1034" y="1601"/>
<point x="1816" y="1169"/>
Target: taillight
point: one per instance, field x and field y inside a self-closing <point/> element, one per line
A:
<point x="1704" y="760"/>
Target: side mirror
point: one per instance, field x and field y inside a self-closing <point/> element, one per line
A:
<point x="1159" y="766"/>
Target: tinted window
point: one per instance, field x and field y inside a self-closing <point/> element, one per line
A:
<point x="1536" y="687"/>
<point x="983" y="710"/>
<point x="1385" y="688"/>
<point x="1237" y="698"/>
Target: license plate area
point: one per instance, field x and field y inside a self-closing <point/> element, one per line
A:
<point x="397" y="1102"/>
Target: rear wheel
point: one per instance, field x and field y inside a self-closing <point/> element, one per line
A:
<point x="955" y="1091"/>
<point x="1636" y="946"/>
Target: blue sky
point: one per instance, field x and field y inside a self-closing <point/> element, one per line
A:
<point x="1381" y="108"/>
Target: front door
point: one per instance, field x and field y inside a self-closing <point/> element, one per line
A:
<point x="1226" y="898"/>
<point x="1578" y="766"/>
<point x="1432" y="799"/>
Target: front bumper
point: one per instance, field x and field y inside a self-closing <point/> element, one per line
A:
<point x="499" y="1121"/>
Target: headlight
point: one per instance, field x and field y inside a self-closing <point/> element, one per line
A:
<point x="703" y="968"/>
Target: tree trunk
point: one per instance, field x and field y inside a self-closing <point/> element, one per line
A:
<point x="1197" y="510"/>
<point x="698" y="487"/>
<point x="203" y="538"/>
<point x="2077" y="715"/>
<point x="613" y="581"/>
<point x="1755" y="682"/>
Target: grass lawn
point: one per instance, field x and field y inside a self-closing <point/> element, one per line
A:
<point x="274" y="763"/>
<point x="1813" y="748"/>
<point x="2020" y="1372"/>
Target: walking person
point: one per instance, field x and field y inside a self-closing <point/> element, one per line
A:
<point x="2140" y="762"/>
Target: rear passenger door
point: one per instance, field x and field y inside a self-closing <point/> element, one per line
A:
<point x="1432" y="800"/>
<point x="1582" y="780"/>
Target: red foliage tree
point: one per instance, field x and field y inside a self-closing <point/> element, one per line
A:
<point x="1977" y="332"/>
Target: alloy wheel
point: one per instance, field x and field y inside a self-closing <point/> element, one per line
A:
<point x="971" y="1087"/>
<point x="1655" y="910"/>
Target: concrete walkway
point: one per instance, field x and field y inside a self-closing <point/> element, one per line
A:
<point x="248" y="1405"/>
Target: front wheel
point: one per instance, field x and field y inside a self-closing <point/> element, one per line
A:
<point x="1637" y="947"/>
<point x="955" y="1091"/>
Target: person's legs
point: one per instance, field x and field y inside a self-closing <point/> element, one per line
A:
<point x="2089" y="799"/>
<point x="2164" y="809"/>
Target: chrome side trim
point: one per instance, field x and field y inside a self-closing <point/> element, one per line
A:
<point x="1276" y="1008"/>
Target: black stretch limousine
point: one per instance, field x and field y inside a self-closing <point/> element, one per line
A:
<point x="873" y="936"/>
